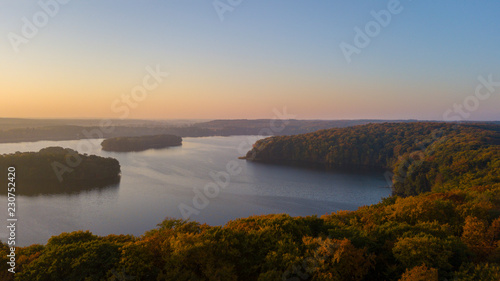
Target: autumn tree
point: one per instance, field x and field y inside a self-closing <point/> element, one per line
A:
<point x="420" y="273"/>
<point x="335" y="259"/>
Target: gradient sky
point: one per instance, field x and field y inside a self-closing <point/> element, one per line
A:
<point x="263" y="55"/>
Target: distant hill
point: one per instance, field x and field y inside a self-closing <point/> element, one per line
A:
<point x="280" y="127"/>
<point x="25" y="130"/>
<point x="23" y="123"/>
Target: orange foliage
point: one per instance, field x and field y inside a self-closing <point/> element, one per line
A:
<point x="420" y="273"/>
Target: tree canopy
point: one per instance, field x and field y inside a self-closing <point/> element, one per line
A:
<point x="422" y="156"/>
<point x="55" y="167"/>
<point x="124" y="144"/>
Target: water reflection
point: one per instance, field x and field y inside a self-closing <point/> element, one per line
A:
<point x="39" y="189"/>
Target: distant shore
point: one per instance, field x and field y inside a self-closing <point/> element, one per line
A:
<point x="15" y="131"/>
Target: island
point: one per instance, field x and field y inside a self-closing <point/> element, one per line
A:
<point x="127" y="144"/>
<point x="56" y="169"/>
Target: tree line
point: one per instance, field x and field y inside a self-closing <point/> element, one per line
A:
<point x="40" y="168"/>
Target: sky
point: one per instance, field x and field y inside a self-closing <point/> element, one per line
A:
<point x="229" y="59"/>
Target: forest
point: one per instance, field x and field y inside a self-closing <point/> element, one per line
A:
<point x="442" y="223"/>
<point x="421" y="156"/>
<point x="59" y="168"/>
<point x="125" y="144"/>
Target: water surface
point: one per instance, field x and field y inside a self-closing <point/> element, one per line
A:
<point x="155" y="182"/>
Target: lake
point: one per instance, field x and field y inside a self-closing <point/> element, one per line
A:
<point x="159" y="183"/>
